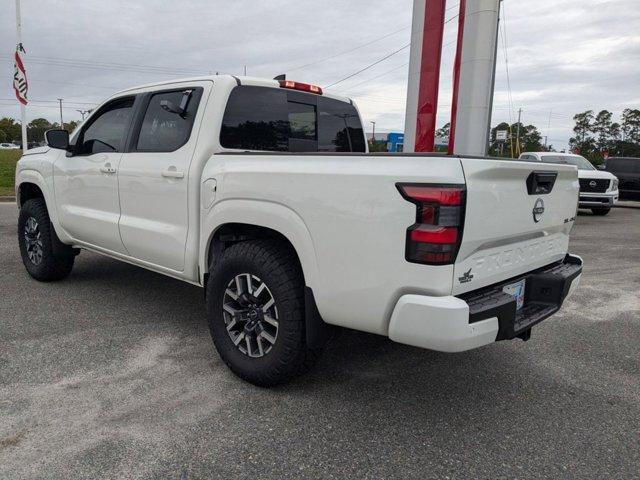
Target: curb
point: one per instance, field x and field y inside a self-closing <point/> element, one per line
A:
<point x="7" y="199"/>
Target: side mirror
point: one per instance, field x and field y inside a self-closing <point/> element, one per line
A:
<point x="57" y="139"/>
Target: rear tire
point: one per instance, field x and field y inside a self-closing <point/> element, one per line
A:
<point x="600" y="211"/>
<point x="256" y="314"/>
<point x="44" y="256"/>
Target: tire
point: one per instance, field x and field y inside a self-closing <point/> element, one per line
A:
<point x="242" y="325"/>
<point x="600" y="211"/>
<point x="44" y="256"/>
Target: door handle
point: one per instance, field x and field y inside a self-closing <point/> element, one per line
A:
<point x="107" y="168"/>
<point x="171" y="172"/>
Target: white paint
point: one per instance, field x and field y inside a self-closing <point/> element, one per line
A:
<point x="343" y="214"/>
<point x="439" y="323"/>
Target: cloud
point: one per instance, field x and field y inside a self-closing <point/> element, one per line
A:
<point x="564" y="56"/>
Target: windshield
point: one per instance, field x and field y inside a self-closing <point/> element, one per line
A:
<point x="580" y="162"/>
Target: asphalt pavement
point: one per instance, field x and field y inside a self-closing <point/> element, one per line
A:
<point x="112" y="374"/>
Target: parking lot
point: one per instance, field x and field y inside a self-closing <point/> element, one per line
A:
<point x="112" y="373"/>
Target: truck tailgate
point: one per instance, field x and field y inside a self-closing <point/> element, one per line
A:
<point x="511" y="227"/>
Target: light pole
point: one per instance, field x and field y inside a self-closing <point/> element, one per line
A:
<point x="373" y="135"/>
<point x="83" y="113"/>
<point x="61" y="121"/>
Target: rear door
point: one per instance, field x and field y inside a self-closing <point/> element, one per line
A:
<point x="153" y="176"/>
<point x="515" y="220"/>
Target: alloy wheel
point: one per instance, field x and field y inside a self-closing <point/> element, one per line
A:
<point x="33" y="241"/>
<point x="250" y="315"/>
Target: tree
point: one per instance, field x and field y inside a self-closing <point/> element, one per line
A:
<point x="631" y="125"/>
<point x="602" y="128"/>
<point x="36" y="129"/>
<point x="11" y="129"/>
<point x="583" y="143"/>
<point x="443" y="132"/>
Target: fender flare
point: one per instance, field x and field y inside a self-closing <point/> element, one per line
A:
<point x="35" y="177"/>
<point x="266" y="214"/>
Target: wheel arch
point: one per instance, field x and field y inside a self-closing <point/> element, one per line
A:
<point x="31" y="184"/>
<point x="237" y="220"/>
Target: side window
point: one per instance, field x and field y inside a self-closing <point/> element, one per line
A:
<point x="108" y="129"/>
<point x="168" y="121"/>
<point x="256" y="118"/>
<point x="339" y="127"/>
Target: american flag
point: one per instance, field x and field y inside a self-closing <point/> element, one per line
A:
<point x="20" y="84"/>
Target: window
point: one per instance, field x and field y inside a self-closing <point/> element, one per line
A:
<point x="108" y="129"/>
<point x="339" y="127"/>
<point x="164" y="127"/>
<point x="576" y="160"/>
<point x="256" y="118"/>
<point x="262" y="118"/>
<point x="623" y="165"/>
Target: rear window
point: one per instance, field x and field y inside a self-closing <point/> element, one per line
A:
<point x="271" y="119"/>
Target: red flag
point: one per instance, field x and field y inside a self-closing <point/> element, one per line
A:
<point x="20" y="84"/>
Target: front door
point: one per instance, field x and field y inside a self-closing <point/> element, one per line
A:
<point x="154" y="175"/>
<point x="86" y="182"/>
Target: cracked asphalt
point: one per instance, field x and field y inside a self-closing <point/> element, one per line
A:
<point x="112" y="374"/>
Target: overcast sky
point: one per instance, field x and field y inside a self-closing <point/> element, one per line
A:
<point x="565" y="56"/>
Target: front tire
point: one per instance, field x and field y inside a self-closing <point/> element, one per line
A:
<point x="43" y="255"/>
<point x="255" y="309"/>
<point x="600" y="211"/>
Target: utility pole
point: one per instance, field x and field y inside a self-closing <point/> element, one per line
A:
<point x="83" y="113"/>
<point x="548" y="128"/>
<point x="245" y="70"/>
<point x="61" y="121"/>
<point x="23" y="112"/>
<point x="373" y="135"/>
<point x="518" y="151"/>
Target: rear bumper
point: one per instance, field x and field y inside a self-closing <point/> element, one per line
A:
<point x="591" y="200"/>
<point x="455" y="324"/>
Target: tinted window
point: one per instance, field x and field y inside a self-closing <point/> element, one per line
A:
<point x="623" y="165"/>
<point x="107" y="131"/>
<point x="164" y="128"/>
<point x="256" y="118"/>
<point x="261" y="118"/>
<point x="339" y="127"/>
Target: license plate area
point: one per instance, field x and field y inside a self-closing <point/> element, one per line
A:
<point x="516" y="290"/>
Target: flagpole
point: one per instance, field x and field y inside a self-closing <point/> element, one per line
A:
<point x="23" y="113"/>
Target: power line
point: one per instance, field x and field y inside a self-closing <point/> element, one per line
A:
<point x="387" y="35"/>
<point x="369" y="66"/>
<point x="348" y="51"/>
<point x="379" y="61"/>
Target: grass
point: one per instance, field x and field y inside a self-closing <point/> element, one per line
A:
<point x="8" y="159"/>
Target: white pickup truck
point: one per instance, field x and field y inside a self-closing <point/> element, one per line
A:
<point x="262" y="192"/>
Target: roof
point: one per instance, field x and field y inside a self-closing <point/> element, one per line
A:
<point x="244" y="80"/>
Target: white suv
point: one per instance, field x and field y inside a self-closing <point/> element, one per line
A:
<point x="598" y="189"/>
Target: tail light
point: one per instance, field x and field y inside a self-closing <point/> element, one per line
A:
<point x="435" y="237"/>
<point x="304" y="87"/>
